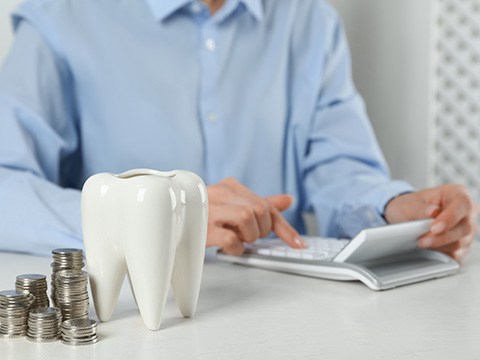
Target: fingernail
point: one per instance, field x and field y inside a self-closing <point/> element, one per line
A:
<point x="431" y="210"/>
<point x="460" y="253"/>
<point x="438" y="228"/>
<point x="427" y="242"/>
<point x="301" y="243"/>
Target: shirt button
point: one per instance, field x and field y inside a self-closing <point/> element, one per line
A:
<point x="210" y="44"/>
<point x="196" y="8"/>
<point x="212" y="117"/>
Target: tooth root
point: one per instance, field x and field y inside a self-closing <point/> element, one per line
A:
<point x="187" y="275"/>
<point x="101" y="242"/>
<point x="106" y="283"/>
<point x="150" y="251"/>
<point x="131" y="288"/>
<point x="190" y="253"/>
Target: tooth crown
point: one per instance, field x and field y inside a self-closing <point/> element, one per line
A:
<point x="152" y="226"/>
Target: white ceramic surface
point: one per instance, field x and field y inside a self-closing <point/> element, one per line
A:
<point x="152" y="226"/>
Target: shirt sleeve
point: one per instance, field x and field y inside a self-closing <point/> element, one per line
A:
<point x="39" y="208"/>
<point x="347" y="181"/>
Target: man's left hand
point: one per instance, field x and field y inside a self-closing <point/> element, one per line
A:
<point x="454" y="226"/>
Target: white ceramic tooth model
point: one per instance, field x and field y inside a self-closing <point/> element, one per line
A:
<point x="151" y="225"/>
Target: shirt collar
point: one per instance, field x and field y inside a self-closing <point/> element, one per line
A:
<point x="164" y="8"/>
<point x="255" y="7"/>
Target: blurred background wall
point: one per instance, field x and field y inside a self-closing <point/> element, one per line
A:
<point x="390" y="45"/>
<point x="6" y="6"/>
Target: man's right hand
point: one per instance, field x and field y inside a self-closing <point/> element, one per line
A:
<point x="236" y="215"/>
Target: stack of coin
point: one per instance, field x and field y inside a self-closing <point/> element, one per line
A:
<point x="44" y="324"/>
<point x="35" y="284"/>
<point x="72" y="293"/>
<point x="79" y="332"/>
<point x="14" y="307"/>
<point x="64" y="259"/>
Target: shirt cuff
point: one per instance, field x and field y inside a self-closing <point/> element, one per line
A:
<point x="388" y="192"/>
<point x="354" y="219"/>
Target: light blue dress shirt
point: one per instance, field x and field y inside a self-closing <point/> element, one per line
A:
<point x="260" y="91"/>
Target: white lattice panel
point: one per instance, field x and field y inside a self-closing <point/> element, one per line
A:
<point x="456" y="108"/>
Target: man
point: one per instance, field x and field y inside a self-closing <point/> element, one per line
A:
<point x="254" y="96"/>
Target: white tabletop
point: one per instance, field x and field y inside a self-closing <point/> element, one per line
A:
<point x="246" y="313"/>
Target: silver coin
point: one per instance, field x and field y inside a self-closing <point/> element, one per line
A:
<point x="13" y="296"/>
<point x="30" y="287"/>
<point x="41" y="329"/>
<point x="79" y="323"/>
<point x="67" y="251"/>
<point x="77" y="332"/>
<point x="43" y="339"/>
<point x="35" y="333"/>
<point x="43" y="335"/>
<point x="53" y="329"/>
<point x="79" y="338"/>
<point x="10" y="337"/>
<point x="44" y="325"/>
<point x="31" y="277"/>
<point x="10" y="322"/>
<point x="46" y="311"/>
<point x="9" y="294"/>
<point x="40" y="332"/>
<point x="79" y="343"/>
<point x="20" y="305"/>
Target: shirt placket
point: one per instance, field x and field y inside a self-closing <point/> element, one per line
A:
<point x="209" y="100"/>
